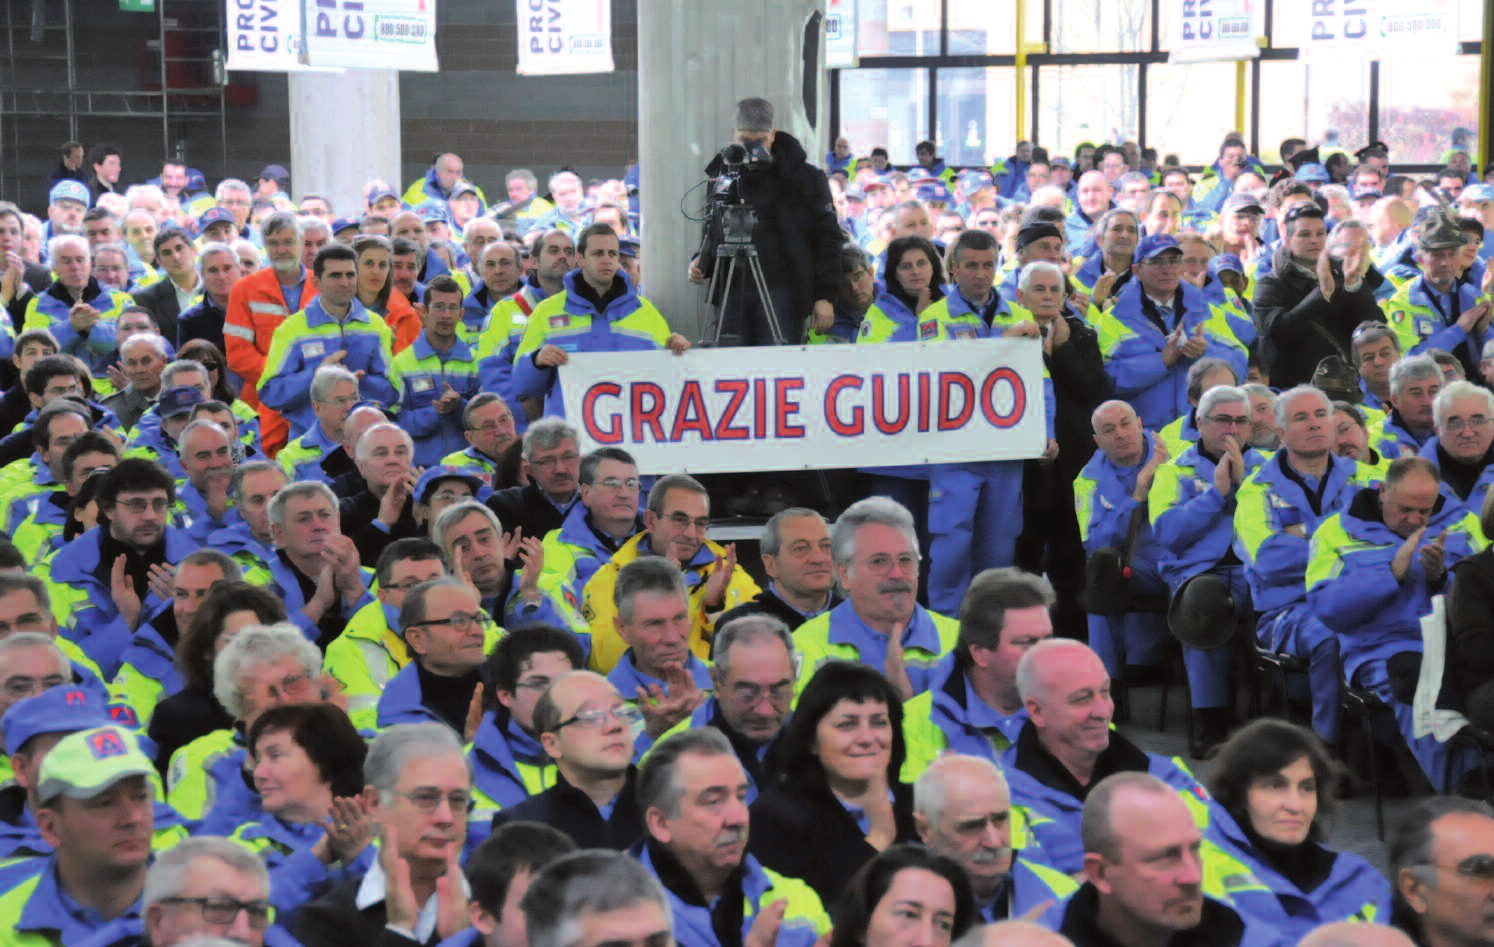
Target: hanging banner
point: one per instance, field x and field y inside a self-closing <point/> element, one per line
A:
<point x="264" y="36"/>
<point x="727" y="410"/>
<point x="840" y="35"/>
<point x="1215" y="30"/>
<point x="1378" y="28"/>
<point x="370" y="34"/>
<point x="564" y="37"/>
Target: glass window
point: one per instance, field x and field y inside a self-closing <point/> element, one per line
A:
<point x="1471" y="20"/>
<point x="1189" y="109"/>
<point x="1424" y="104"/>
<point x="897" y="27"/>
<point x="887" y="107"/>
<point x="1086" y="103"/>
<point x="977" y="114"/>
<point x="1100" y="26"/>
<point x="986" y="27"/>
<point x="1324" y="101"/>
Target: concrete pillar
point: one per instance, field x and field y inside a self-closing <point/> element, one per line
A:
<point x="344" y="133"/>
<point x="695" y="61"/>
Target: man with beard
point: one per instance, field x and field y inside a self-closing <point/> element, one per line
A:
<point x="257" y="305"/>
<point x="108" y="581"/>
<point x="692" y="790"/>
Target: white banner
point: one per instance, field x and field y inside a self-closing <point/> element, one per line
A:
<point x="331" y="35"/>
<point x="1378" y="28"/>
<point x="1215" y="30"/>
<point x="564" y="37"/>
<point x="840" y="35"/>
<point x="726" y="410"/>
<point x="371" y="34"/>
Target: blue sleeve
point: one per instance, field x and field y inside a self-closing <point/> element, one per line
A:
<point x="302" y="877"/>
<point x="1355" y="598"/>
<point x="1191" y="520"/>
<point x="529" y="380"/>
<point x="1050" y="407"/>
<point x="289" y="388"/>
<point x="1136" y="366"/>
<point x="1108" y="528"/>
<point x="420" y="422"/>
<point x="1447" y="339"/>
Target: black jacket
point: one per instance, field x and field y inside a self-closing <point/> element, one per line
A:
<point x="360" y="514"/>
<point x="568" y="809"/>
<point x="202" y="321"/>
<point x="333" y="920"/>
<point x="798" y="236"/>
<point x="182" y="718"/>
<point x="807" y="834"/>
<point x="1220" y="926"/>
<point x="1080" y="383"/>
<point x="527" y="507"/>
<point x="160" y="298"/>
<point x="767" y="603"/>
<point x="1287" y="306"/>
<point x="1470" y="627"/>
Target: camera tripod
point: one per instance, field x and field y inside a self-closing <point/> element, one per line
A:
<point x="737" y="223"/>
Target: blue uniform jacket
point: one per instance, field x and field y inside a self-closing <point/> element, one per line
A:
<point x="495" y="765"/>
<point x="289" y="389"/>
<point x="1395" y="434"/>
<point x="1475" y="501"/>
<point x="529" y="380"/>
<point x="1447" y="335"/>
<point x="47" y="910"/>
<point x="1276" y="568"/>
<point x="1196" y="527"/>
<point x="1374" y="616"/>
<point x="1110" y="504"/>
<point x="315" y="437"/>
<point x="436" y="434"/>
<point x="1353" y="890"/>
<point x="288" y="590"/>
<point x="403" y="701"/>
<point x="233" y="801"/>
<point x="692" y="922"/>
<point x="149" y="654"/>
<point x="97" y="626"/>
<point x="627" y="678"/>
<point x="296" y="875"/>
<point x="963" y="717"/>
<point x="1134" y="359"/>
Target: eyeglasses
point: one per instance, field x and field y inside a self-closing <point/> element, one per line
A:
<point x="139" y="505"/>
<point x="1479" y="868"/>
<point x="546" y="463"/>
<point x="31" y="621"/>
<point x="225" y="910"/>
<point x="404" y="586"/>
<point x="625" y="714"/>
<point x="445" y="307"/>
<point x="1228" y="420"/>
<point x="493" y="427"/>
<point x="533" y="684"/>
<point x="460" y="622"/>
<point x="447" y="496"/>
<point x="617" y="483"/>
<point x="881" y="565"/>
<point x="683" y="521"/>
<point x="20" y="688"/>
<point x="429" y="800"/>
<point x="1458" y="425"/>
<point x="753" y="694"/>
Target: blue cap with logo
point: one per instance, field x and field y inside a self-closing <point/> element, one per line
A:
<point x="1155" y="245"/>
<point x="434" y="211"/>
<point x="63" y="709"/>
<point x="1313" y="174"/>
<point x="70" y="190"/>
<point x="935" y="191"/>
<point x="1226" y="263"/>
<point x="84" y="765"/>
<point x="216" y="215"/>
<point x="345" y="223"/>
<point x="429" y="480"/>
<point x="178" y="401"/>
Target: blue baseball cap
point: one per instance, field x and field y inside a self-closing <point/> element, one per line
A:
<point x="70" y="190"/>
<point x="934" y="192"/>
<point x="216" y="215"/>
<point x="346" y="223"/>
<point x="380" y="195"/>
<point x="972" y="181"/>
<point x="1156" y="245"/>
<point x="178" y="401"/>
<point x="1312" y="173"/>
<point x="1476" y="194"/>
<point x="66" y="708"/>
<point x="429" y="480"/>
<point x="628" y="246"/>
<point x="463" y="187"/>
<point x="434" y="211"/>
<point x="1226" y="263"/>
<point x="1368" y="192"/>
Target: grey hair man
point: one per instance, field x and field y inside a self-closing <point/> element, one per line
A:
<point x="795" y="550"/>
<point x="421" y="783"/>
<point x="318" y="454"/>
<point x="1414" y="383"/>
<point x="1440" y="870"/>
<point x="206" y="887"/>
<point x="1464" y="414"/>
<point x="592" y="898"/>
<point x="551" y="471"/>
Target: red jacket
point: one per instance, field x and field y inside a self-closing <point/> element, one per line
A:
<point x="256" y="307"/>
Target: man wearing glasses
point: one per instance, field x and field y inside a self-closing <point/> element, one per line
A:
<point x="447" y="632"/>
<point x="675" y="527"/>
<point x="203" y="888"/>
<point x="1192" y="507"/>
<point x="594" y="529"/>
<point x="1157" y="328"/>
<point x="423" y="789"/>
<point x="587" y="729"/>
<point x="551" y="473"/>
<point x="110" y="580"/>
<point x="1442" y="868"/>
<point x="1464" y="413"/>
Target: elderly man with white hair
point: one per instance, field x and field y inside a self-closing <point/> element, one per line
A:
<point x="963" y="810"/>
<point x="1068" y="747"/>
<point x="384" y="509"/>
<point x="81" y="315"/>
<point x="1278" y="510"/>
<point x="1464" y="446"/>
<point x="1414" y="383"/>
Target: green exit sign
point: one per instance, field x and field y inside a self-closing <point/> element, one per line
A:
<point x="138" y="6"/>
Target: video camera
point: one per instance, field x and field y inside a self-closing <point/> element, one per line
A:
<point x="736" y="219"/>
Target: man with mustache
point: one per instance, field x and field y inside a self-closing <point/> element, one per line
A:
<point x="875" y="550"/>
<point x="1067" y="748"/>
<point x="963" y="810"/>
<point x="693" y="793"/>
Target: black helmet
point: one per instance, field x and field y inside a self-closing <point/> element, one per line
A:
<point x="1202" y="613"/>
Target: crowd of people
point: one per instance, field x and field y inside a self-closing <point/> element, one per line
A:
<point x="318" y="627"/>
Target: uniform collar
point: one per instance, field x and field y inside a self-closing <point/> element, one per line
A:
<point x="846" y="627"/>
<point x="458" y="351"/>
<point x="317" y="314"/>
<point x="50" y="907"/>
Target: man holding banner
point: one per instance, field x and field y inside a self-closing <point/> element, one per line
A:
<point x="599" y="312"/>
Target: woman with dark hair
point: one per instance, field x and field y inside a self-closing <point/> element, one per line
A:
<point x="225" y="387"/>
<point x="193" y="711"/>
<point x="906" y="896"/>
<point x="317" y="828"/>
<point x="833" y="798"/>
<point x="376" y="288"/>
<point x="1275" y="780"/>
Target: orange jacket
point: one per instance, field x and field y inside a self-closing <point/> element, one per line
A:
<point x="256" y="307"/>
<point x="402" y="320"/>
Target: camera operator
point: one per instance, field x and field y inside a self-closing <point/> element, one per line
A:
<point x="797" y="236"/>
